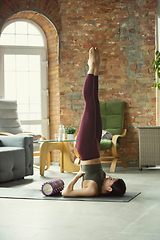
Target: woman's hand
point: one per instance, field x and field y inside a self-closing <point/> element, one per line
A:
<point x="90" y="190"/>
<point x="80" y="174"/>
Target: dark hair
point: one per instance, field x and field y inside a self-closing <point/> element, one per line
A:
<point x="118" y="188"/>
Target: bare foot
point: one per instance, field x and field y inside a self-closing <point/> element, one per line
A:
<point x="91" y="60"/>
<point x="97" y="63"/>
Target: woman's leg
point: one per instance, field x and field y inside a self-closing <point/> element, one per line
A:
<point x="98" y="114"/>
<point x="87" y="141"/>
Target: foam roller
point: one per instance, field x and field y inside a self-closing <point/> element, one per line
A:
<point x="52" y="187"/>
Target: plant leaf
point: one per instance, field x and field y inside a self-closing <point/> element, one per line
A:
<point x="158" y="73"/>
<point x="154" y="68"/>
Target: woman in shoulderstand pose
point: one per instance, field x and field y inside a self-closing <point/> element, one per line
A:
<point x="94" y="181"/>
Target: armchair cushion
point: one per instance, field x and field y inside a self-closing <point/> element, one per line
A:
<point x="107" y="144"/>
<point x="112" y="114"/>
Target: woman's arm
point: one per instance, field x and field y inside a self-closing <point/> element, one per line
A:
<point x="83" y="192"/>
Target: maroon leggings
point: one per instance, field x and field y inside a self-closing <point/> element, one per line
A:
<point x="89" y="134"/>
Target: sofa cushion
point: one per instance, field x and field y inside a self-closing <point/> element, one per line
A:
<point x="10" y="149"/>
<point x="12" y="163"/>
<point x="9" y="121"/>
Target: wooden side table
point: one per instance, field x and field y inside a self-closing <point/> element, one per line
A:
<point x="66" y="163"/>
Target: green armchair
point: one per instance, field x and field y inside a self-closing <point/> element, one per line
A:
<point x="112" y="114"/>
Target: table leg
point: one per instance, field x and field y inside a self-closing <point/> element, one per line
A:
<point x="67" y="164"/>
<point x="43" y="154"/>
<point x="61" y="162"/>
<point x="44" y="149"/>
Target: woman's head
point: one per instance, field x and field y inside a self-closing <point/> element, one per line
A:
<point x="113" y="186"/>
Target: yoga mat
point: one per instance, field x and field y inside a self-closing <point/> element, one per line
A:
<point x="126" y="198"/>
<point x="30" y="188"/>
<point x="36" y="194"/>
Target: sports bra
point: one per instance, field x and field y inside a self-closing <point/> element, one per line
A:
<point x="94" y="172"/>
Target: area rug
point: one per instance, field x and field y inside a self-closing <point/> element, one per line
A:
<point x="30" y="188"/>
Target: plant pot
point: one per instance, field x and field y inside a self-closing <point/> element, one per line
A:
<point x="70" y="136"/>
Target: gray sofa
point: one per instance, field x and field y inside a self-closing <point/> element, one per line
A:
<point x="16" y="157"/>
<point x="11" y="125"/>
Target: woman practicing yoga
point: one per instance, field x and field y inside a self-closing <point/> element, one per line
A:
<point x="88" y="140"/>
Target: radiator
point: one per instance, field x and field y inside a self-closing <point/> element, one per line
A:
<point x="149" y="146"/>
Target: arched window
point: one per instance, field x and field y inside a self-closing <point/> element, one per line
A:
<point x="23" y="72"/>
<point x="22" y="33"/>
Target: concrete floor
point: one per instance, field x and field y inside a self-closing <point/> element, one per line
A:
<point x="135" y="220"/>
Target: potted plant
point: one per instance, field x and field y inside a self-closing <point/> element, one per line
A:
<point x="70" y="131"/>
<point x="156" y="68"/>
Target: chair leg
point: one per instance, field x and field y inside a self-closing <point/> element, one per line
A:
<point x="123" y="162"/>
<point x="116" y="158"/>
<point x="113" y="165"/>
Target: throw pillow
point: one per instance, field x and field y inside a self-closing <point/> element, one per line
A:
<point x="106" y="135"/>
<point x="36" y="137"/>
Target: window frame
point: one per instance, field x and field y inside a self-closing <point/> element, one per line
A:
<point x="30" y="50"/>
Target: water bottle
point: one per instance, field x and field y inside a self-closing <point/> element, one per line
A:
<point x="63" y="133"/>
<point x="61" y="136"/>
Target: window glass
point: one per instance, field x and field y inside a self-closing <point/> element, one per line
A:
<point x="32" y="29"/>
<point x="21" y="40"/>
<point x="22" y="75"/>
<point x="21" y="33"/>
<point x="22" y="72"/>
<point x="32" y="128"/>
<point x="10" y="80"/>
<point x="21" y="28"/>
<point x="7" y="39"/>
<point x="9" y="29"/>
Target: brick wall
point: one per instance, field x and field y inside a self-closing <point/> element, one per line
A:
<point x="124" y="32"/>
